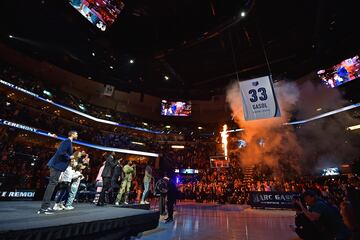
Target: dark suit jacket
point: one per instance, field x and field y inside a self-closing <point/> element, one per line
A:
<point x="60" y="161"/>
<point x="109" y="167"/>
<point x="118" y="172"/>
<point x="172" y="191"/>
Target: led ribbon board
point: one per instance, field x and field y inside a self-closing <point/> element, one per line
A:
<point x="75" y="111"/>
<point x="343" y="109"/>
<point x="81" y="143"/>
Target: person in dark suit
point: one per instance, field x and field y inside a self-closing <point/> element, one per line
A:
<point x="57" y="164"/>
<point x="171" y="197"/>
<point x="106" y="176"/>
<point x="116" y="179"/>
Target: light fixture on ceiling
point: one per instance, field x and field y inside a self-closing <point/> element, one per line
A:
<point x="354" y="127"/>
<point x="177" y="146"/>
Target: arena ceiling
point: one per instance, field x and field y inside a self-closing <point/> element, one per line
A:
<point x="185" y="49"/>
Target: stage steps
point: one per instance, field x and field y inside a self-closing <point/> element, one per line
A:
<point x="249" y="174"/>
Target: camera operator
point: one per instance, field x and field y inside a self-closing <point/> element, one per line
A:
<point x="304" y="228"/>
<point x="327" y="219"/>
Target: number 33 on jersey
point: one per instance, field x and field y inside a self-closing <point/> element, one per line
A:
<point x="259" y="100"/>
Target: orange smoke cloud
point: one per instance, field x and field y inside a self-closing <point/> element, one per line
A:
<point x="268" y="141"/>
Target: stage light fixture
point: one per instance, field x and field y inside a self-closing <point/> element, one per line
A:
<point x="177" y="146"/>
<point x="354" y="127"/>
<point x="132" y="61"/>
<point x="82" y="107"/>
<point x="11" y="36"/>
<point x="47" y="93"/>
<point x="242" y="14"/>
<point x="166" y="77"/>
<point x="111" y="67"/>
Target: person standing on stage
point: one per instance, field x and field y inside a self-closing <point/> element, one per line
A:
<point x="129" y="172"/>
<point x="76" y="178"/>
<point x="64" y="186"/>
<point x="99" y="184"/>
<point x="57" y="164"/>
<point x="106" y="176"/>
<point x="82" y="160"/>
<point x="147" y="179"/>
<point x="116" y="179"/>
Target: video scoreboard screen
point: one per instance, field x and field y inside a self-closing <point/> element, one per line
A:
<point x="101" y="13"/>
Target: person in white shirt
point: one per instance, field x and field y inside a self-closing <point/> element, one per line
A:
<point x="76" y="178"/>
<point x="65" y="181"/>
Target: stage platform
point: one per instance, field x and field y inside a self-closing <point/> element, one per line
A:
<point x="19" y="220"/>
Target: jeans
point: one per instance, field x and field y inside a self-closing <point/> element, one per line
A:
<point x="146" y="190"/>
<point x="53" y="181"/>
<point x="73" y="190"/>
<point x="63" y="192"/>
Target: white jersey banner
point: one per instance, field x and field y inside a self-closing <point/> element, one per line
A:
<point x="108" y="90"/>
<point x="259" y="100"/>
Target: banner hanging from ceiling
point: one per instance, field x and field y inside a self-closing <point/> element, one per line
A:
<point x="109" y="90"/>
<point x="259" y="100"/>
